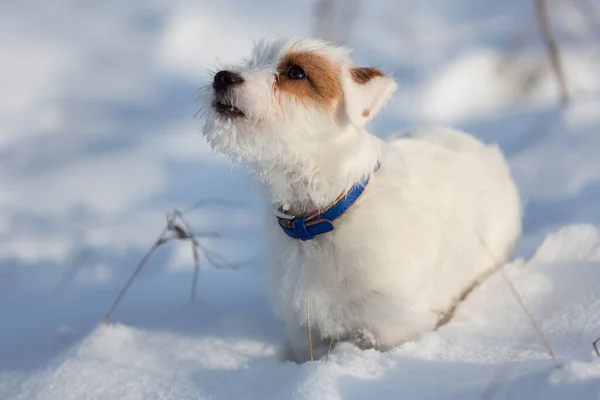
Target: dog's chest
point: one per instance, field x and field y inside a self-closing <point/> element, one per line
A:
<point x="318" y="264"/>
<point x="331" y="274"/>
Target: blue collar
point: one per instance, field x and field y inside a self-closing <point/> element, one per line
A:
<point x="306" y="227"/>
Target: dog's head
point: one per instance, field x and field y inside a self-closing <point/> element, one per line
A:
<point x="288" y="96"/>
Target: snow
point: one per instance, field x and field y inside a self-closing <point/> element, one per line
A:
<point x="97" y="142"/>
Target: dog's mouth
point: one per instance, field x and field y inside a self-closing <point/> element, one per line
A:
<point x="227" y="110"/>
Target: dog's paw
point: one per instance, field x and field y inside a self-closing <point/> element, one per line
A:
<point x="363" y="339"/>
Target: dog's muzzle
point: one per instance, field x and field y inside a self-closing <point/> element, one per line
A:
<point x="226" y="79"/>
<point x="223" y="83"/>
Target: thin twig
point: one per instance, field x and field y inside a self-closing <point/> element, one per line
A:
<point x="187" y="234"/>
<point x="213" y="258"/>
<point x="447" y="316"/>
<point x="534" y="323"/>
<point x="331" y="342"/>
<point x="80" y="260"/>
<point x="549" y="38"/>
<point x="310" y="346"/>
<point x="161" y="240"/>
<point x="179" y="228"/>
<point x="206" y="234"/>
<point x="519" y="299"/>
<point x="217" y="261"/>
<point x="196" y="273"/>
<point x="496" y="382"/>
<point x="214" y="202"/>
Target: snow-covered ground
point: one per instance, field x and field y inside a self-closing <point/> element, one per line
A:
<point x="98" y="141"/>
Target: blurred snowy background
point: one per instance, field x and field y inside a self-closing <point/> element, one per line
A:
<point x="98" y="141"/>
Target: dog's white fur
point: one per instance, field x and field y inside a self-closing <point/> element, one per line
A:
<point x="402" y="256"/>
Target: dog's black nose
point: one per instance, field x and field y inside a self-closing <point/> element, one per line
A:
<point x="224" y="79"/>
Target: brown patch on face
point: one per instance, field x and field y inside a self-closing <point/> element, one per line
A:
<point x="321" y="86"/>
<point x="366" y="113"/>
<point x="362" y="75"/>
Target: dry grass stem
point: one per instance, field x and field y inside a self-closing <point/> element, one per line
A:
<point x="178" y="228"/>
<point x="310" y="347"/>
<point x="331" y="342"/>
<point x="196" y="274"/>
<point x="521" y="303"/>
<point x="135" y="273"/>
<point x="188" y="234"/>
<point x="496" y="382"/>
<point x="213" y="202"/>
<point x="532" y="320"/>
<point x="80" y="260"/>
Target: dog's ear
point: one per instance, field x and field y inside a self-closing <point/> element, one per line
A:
<point x="366" y="90"/>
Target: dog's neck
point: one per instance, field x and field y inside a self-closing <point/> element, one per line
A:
<point x="322" y="171"/>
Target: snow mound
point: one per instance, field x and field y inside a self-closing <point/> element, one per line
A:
<point x="488" y="349"/>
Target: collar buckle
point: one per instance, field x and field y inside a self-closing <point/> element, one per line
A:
<point x="306" y="227"/>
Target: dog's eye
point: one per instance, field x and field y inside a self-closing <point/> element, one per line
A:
<point x="296" y="72"/>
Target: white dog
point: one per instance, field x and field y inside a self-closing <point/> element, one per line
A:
<point x="380" y="239"/>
